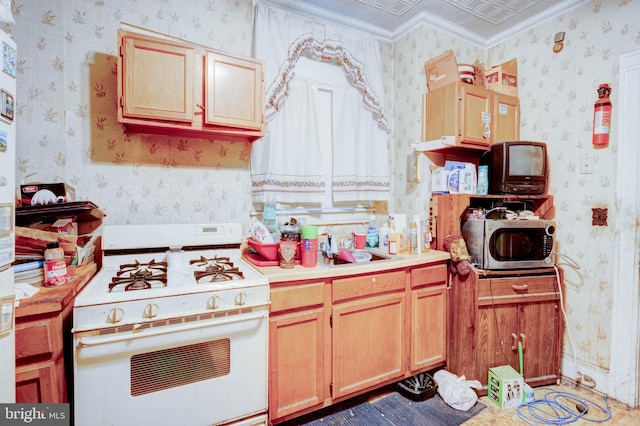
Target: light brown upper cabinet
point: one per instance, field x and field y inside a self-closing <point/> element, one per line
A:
<point x="167" y="86"/>
<point x="466" y="116"/>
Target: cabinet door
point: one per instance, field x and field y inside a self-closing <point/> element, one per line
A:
<point x="475" y="116"/>
<point x="296" y="362"/>
<point x="234" y="94"/>
<point x="540" y="334"/>
<point x="368" y="342"/>
<point x="157" y="79"/>
<point x="506" y="118"/>
<point x="496" y="339"/>
<point x="429" y="327"/>
<point x="40" y="383"/>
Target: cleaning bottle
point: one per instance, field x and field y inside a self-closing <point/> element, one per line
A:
<point x="413" y="238"/>
<point x="372" y="233"/>
<point x="383" y="237"/>
<point x="393" y="242"/>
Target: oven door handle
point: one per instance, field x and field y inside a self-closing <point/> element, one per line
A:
<point x="101" y="340"/>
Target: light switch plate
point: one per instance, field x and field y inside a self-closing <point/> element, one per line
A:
<point x="586" y="164"/>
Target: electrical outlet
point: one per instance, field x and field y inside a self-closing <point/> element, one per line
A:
<point x="586" y="164"/>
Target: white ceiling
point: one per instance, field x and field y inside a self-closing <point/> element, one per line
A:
<point x="482" y="22"/>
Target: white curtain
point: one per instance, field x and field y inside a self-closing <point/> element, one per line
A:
<point x="285" y="162"/>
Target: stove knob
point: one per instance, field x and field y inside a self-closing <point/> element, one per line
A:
<point x="115" y="315"/>
<point x="241" y="299"/>
<point x="213" y="302"/>
<point x="151" y="310"/>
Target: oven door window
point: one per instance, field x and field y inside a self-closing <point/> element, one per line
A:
<point x="169" y="368"/>
<point x="516" y="244"/>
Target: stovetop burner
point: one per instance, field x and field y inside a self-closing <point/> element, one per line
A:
<point x="216" y="269"/>
<point x="140" y="276"/>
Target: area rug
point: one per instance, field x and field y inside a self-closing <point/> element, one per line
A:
<point x="432" y="412"/>
<point x="394" y="410"/>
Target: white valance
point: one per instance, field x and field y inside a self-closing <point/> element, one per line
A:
<point x="286" y="161"/>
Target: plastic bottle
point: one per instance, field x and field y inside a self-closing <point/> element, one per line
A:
<point x="383" y="237"/>
<point x="413" y="237"/>
<point x="393" y="242"/>
<point x="372" y="233"/>
<point x="269" y="217"/>
<point x="55" y="267"/>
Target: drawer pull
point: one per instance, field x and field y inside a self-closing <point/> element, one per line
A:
<point x="520" y="287"/>
<point x="514" y="344"/>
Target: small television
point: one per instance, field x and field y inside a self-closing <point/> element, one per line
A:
<point x="517" y="167"/>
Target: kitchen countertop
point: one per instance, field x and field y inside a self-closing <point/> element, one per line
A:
<point x="402" y="260"/>
<point x="55" y="299"/>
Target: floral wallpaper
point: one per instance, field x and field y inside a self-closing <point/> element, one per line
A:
<point x="557" y="92"/>
<point x="67" y="115"/>
<point x="67" y="128"/>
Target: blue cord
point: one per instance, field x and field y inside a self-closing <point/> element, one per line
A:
<point x="551" y="411"/>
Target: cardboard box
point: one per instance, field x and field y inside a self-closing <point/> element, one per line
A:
<point x="505" y="387"/>
<point x="503" y="78"/>
<point x="441" y="70"/>
<point x="40" y="194"/>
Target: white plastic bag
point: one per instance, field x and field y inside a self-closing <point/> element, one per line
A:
<point x="456" y="391"/>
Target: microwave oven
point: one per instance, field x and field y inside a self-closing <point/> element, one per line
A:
<point x="509" y="243"/>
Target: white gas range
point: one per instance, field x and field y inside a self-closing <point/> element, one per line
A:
<point x="172" y="330"/>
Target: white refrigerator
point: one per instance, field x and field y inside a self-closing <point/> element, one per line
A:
<point x="8" y="75"/>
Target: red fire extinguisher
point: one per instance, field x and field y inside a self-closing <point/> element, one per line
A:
<point x="602" y="116"/>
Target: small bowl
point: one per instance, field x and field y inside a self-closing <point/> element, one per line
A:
<point x="361" y="256"/>
<point x="419" y="387"/>
<point x="268" y="251"/>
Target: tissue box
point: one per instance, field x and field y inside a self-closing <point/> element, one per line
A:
<point x="505" y="386"/>
<point x="40" y="194"/>
<point x="503" y="78"/>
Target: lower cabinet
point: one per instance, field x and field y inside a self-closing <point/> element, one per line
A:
<point x="40" y="360"/>
<point x="429" y="305"/>
<point x="297" y="328"/>
<point x="368" y="343"/>
<point x="336" y="338"/>
<point x="509" y="313"/>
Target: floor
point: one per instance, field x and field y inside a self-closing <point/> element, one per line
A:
<point x="621" y="414"/>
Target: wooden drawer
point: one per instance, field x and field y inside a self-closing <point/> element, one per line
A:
<point x="349" y="288"/>
<point x="429" y="275"/>
<point x="297" y="296"/>
<point x="523" y="289"/>
<point x="38" y="338"/>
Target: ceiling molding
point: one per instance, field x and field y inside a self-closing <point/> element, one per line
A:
<point x="336" y="18"/>
<point x="527" y="24"/>
<point x="425" y="18"/>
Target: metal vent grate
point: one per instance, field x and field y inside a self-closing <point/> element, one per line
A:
<point x="169" y="368"/>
